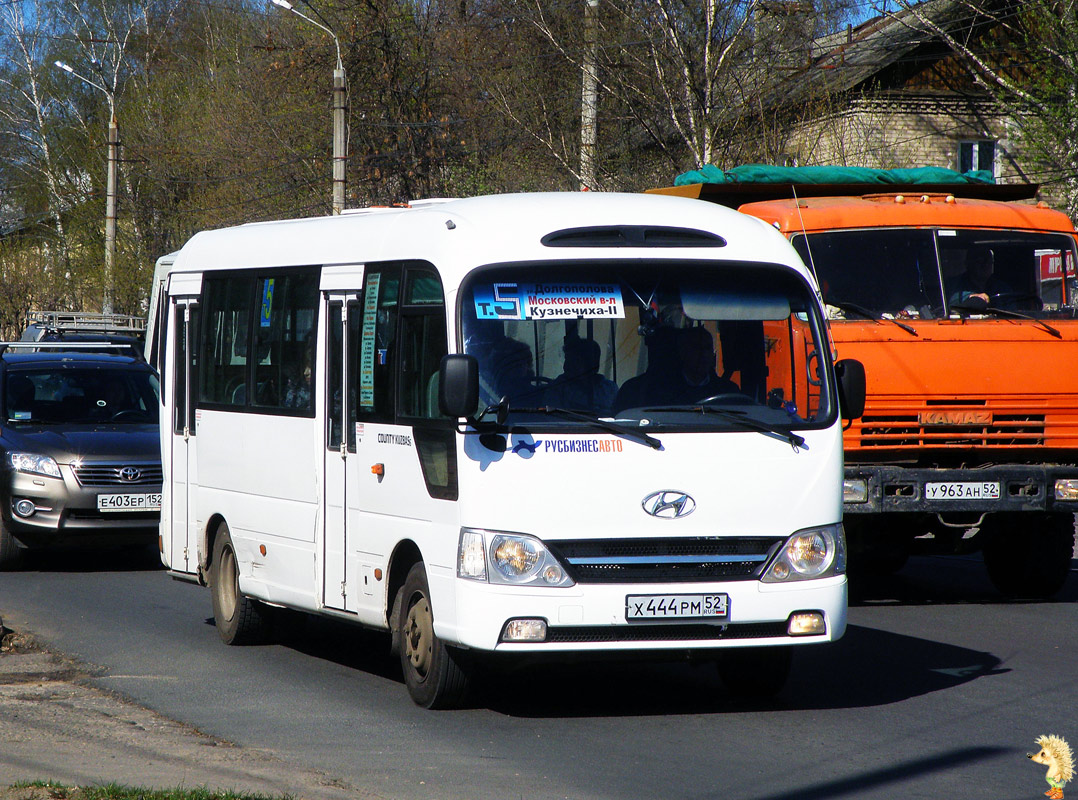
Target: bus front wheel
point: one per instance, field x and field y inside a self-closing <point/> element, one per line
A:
<point x="240" y="620"/>
<point x="434" y="673"/>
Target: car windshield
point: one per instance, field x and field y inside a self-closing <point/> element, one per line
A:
<point x="661" y="345"/>
<point x="926" y="274"/>
<point x="80" y="395"/>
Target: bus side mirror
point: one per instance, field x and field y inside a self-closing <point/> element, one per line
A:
<point x="851" y="388"/>
<point x="458" y="386"/>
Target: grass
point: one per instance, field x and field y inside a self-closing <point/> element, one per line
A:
<point x="47" y="790"/>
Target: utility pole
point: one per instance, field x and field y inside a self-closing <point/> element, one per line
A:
<point x="340" y="108"/>
<point x="110" y="214"/>
<point x="340" y="135"/>
<point x="589" y="101"/>
<point x="110" y="188"/>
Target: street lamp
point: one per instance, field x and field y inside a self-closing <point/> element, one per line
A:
<point x="110" y="189"/>
<point x="340" y="104"/>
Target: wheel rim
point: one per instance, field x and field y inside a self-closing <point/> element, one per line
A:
<point x="419" y="636"/>
<point x="229" y="583"/>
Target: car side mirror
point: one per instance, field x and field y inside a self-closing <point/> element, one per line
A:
<point x="850" y="374"/>
<point x="458" y="386"/>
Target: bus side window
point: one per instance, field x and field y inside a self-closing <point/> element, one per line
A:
<point x="377" y="344"/>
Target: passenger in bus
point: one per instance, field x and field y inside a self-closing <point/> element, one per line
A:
<point x="979" y="280"/>
<point x="511" y="372"/>
<point x="580" y="386"/>
<point x="691" y="379"/>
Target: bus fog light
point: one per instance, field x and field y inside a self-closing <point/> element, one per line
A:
<point x="25" y="508"/>
<point x="524" y="630"/>
<point x="855" y="490"/>
<point x="1067" y="489"/>
<point x="806" y="623"/>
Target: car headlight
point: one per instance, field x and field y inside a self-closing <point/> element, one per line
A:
<point x="808" y="554"/>
<point x="507" y="558"/>
<point x="36" y="464"/>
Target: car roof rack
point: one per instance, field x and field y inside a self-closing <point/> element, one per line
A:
<point x="132" y="348"/>
<point x="87" y="322"/>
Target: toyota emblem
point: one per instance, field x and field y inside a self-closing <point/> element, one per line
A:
<point x="130" y="474"/>
<point x="669" y="504"/>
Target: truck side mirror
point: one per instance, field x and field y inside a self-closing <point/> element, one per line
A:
<point x="458" y="386"/>
<point x="851" y="387"/>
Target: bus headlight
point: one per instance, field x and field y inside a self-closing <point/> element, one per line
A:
<point x="808" y="554"/>
<point x="35" y="464"/>
<point x="507" y="558"/>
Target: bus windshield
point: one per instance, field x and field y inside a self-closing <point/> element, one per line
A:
<point x="663" y="345"/>
<point x="906" y="273"/>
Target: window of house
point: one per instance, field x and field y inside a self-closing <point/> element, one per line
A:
<point x="980" y="155"/>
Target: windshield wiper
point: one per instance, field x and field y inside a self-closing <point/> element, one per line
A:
<point x="980" y="308"/>
<point x="739" y="418"/>
<point x="605" y="424"/>
<point x="861" y="311"/>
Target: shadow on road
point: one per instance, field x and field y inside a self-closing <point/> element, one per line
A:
<point x="867" y="667"/>
<point x="942" y="580"/>
<point x="98" y="559"/>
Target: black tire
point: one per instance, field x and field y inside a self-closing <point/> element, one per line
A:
<point x="755" y="672"/>
<point x="240" y="620"/>
<point x="1028" y="555"/>
<point x="434" y="674"/>
<point x="10" y="551"/>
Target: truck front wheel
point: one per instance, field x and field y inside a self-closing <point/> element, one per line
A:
<point x="1028" y="555"/>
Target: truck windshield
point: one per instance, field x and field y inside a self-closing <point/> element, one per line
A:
<point x="924" y="273"/>
<point x="661" y="345"/>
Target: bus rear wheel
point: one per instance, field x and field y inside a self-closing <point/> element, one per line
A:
<point x="240" y="620"/>
<point x="434" y="673"/>
<point x="1028" y="555"/>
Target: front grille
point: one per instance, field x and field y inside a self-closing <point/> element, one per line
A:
<point x="663" y="633"/>
<point x="664" y="560"/>
<point x="112" y="475"/>
<point x="1004" y="430"/>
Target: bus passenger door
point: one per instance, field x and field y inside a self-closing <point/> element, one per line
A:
<point x="182" y="554"/>
<point x="343" y="318"/>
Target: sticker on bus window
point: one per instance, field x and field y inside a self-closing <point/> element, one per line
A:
<point x="543" y="301"/>
<point x="267" y="302"/>
<point x="367" y="341"/>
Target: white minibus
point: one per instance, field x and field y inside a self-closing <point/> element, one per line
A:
<point x="558" y="425"/>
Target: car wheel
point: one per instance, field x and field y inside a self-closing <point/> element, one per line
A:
<point x="435" y="674"/>
<point x="10" y="552"/>
<point x="240" y="620"/>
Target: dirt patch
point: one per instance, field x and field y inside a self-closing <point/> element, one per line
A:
<point x="55" y="726"/>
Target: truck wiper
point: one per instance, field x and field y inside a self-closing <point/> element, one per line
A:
<point x="739" y="418"/>
<point x="861" y="311"/>
<point x="980" y="308"/>
<point x="598" y="422"/>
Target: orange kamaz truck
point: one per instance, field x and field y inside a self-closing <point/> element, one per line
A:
<point x="960" y="297"/>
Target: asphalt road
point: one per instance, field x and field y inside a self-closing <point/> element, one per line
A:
<point x="937" y="690"/>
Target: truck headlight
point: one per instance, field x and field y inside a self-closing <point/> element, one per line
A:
<point x="507" y="558"/>
<point x="808" y="554"/>
<point x="34" y="463"/>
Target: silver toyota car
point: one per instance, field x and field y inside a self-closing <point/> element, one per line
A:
<point x="80" y="459"/>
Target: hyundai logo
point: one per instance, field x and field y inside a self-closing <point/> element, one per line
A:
<point x="669" y="504"/>
<point x="130" y="474"/>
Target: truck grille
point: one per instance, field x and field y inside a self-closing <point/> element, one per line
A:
<point x="664" y="560"/>
<point x="1004" y="430"/>
<point x="112" y="475"/>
